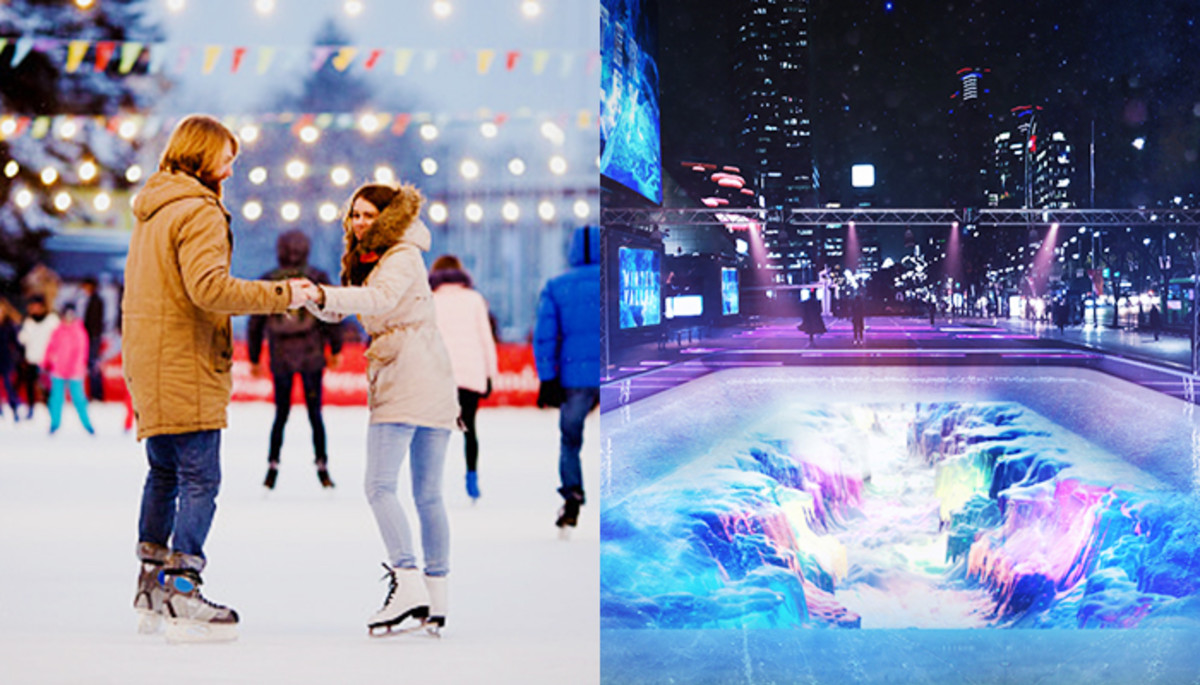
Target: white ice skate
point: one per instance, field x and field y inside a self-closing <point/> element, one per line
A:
<point x="149" y="599"/>
<point x="436" y="586"/>
<point x="406" y="606"/>
<point x="190" y="616"/>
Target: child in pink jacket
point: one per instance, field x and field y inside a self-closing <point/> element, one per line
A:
<point x="67" y="363"/>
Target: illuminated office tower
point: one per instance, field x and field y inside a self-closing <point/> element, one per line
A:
<point x="970" y="133"/>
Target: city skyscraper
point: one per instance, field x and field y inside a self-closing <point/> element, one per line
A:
<point x="771" y="77"/>
<point x="970" y="133"/>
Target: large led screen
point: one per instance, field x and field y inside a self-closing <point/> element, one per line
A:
<point x="641" y="287"/>
<point x="630" y="150"/>
<point x="729" y="290"/>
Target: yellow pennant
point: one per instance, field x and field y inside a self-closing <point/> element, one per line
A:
<point x="484" y="60"/>
<point x="344" y="58"/>
<point x="265" y="55"/>
<point x="540" y="57"/>
<point x="129" y="55"/>
<point x="41" y="126"/>
<point x="403" y="60"/>
<point x="76" y="49"/>
<point x="211" y="54"/>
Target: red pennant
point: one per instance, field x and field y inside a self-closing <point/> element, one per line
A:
<point x="510" y="60"/>
<point x="238" y="55"/>
<point x="104" y="53"/>
<point x="401" y="123"/>
<point x="372" y="59"/>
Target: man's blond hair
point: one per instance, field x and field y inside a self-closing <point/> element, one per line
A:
<point x="196" y="145"/>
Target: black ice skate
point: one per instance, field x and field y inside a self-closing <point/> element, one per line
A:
<point x="272" y="474"/>
<point x="190" y="616"/>
<point x="406" y="606"/>
<point x="568" y="516"/>
<point x="323" y="476"/>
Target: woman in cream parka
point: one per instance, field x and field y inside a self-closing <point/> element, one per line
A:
<point x="411" y="393"/>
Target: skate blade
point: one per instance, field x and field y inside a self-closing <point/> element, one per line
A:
<point x="185" y="632"/>
<point x="149" y="622"/>
<point x="403" y="628"/>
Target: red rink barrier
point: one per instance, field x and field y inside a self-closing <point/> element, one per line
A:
<point x="346" y="385"/>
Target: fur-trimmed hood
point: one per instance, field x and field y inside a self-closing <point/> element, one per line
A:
<point x="398" y="222"/>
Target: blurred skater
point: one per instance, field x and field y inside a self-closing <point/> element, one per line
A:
<point x="93" y="323"/>
<point x="34" y="336"/>
<point x="10" y="321"/>
<point x="296" y="343"/>
<point x="66" y="362"/>
<point x="566" y="345"/>
<point x="411" y="394"/>
<point x="462" y="319"/>
<point x="858" y="319"/>
<point x="812" y="323"/>
<point x="178" y="354"/>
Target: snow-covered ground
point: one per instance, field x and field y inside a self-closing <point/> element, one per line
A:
<point x="300" y="565"/>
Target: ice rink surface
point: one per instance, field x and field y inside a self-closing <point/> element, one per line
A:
<point x="300" y="565"/>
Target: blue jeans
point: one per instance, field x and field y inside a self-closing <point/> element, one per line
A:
<point x="58" y="388"/>
<point x="577" y="404"/>
<point x="387" y="446"/>
<point x="179" y="497"/>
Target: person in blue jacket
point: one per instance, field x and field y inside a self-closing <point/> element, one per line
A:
<point x="566" y="347"/>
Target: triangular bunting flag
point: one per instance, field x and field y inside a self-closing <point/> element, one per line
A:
<point x="430" y="60"/>
<point x="185" y="52"/>
<point x="211" y="54"/>
<point x="323" y="120"/>
<point x="403" y="59"/>
<point x="484" y="60"/>
<point x="344" y="58"/>
<point x="320" y="55"/>
<point x="540" y="57"/>
<point x="584" y="118"/>
<point x="401" y="123"/>
<point x="20" y="50"/>
<point x="239" y="53"/>
<point x="510" y="60"/>
<point x="104" y="53"/>
<point x="265" y="55"/>
<point x="372" y="59"/>
<point x="41" y="126"/>
<point x="158" y="56"/>
<point x="130" y="52"/>
<point x="593" y="61"/>
<point x="76" y="49"/>
<point x="568" y="61"/>
<point x="3" y="44"/>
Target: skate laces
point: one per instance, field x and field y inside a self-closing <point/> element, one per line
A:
<point x="390" y="575"/>
<point x="193" y="590"/>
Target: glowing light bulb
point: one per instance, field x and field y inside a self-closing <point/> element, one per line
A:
<point x="248" y="133"/>
<point x="546" y="210"/>
<point x="516" y="166"/>
<point x="310" y="134"/>
<point x="295" y="169"/>
<point x="328" y="212"/>
<point x="510" y="211"/>
<point x="442" y="8"/>
<point x="290" y="211"/>
<point x="384" y="174"/>
<point x="429" y="165"/>
<point x="12" y="168"/>
<point x="474" y="212"/>
<point x="582" y="210"/>
<point x="49" y="175"/>
<point x="133" y="174"/>
<point x="428" y="131"/>
<point x="438" y="213"/>
<point x="257" y="175"/>
<point x="469" y="169"/>
<point x="340" y="176"/>
<point x="252" y="210"/>
<point x="558" y="165"/>
<point x="87" y="171"/>
<point x="102" y="202"/>
<point x="62" y="201"/>
<point x="488" y="129"/>
<point x="24" y="198"/>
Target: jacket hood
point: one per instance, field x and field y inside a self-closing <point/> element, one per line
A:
<point x="441" y="276"/>
<point x="292" y="249"/>
<point x="163" y="188"/>
<point x="398" y="222"/>
<point x="585" y="246"/>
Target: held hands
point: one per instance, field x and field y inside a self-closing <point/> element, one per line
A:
<point x="305" y="291"/>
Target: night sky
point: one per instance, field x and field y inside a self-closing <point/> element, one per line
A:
<point x="883" y="74"/>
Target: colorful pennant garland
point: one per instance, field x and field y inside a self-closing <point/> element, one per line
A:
<point x="72" y="54"/>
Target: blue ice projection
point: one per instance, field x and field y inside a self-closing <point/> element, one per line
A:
<point x="963" y="509"/>
<point x="641" y="287"/>
<point x="630" y="147"/>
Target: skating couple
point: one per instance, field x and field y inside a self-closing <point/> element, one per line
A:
<point x="178" y="354"/>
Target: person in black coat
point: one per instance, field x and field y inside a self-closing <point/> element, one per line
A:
<point x="812" y="324"/>
<point x="10" y="352"/>
<point x="93" y="323"/>
<point x="296" y="344"/>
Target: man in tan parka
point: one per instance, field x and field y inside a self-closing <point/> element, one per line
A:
<point x="177" y="357"/>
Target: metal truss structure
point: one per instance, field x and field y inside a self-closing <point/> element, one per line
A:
<point x="1094" y="218"/>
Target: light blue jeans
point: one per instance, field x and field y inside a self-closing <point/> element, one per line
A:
<point x="387" y="446"/>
